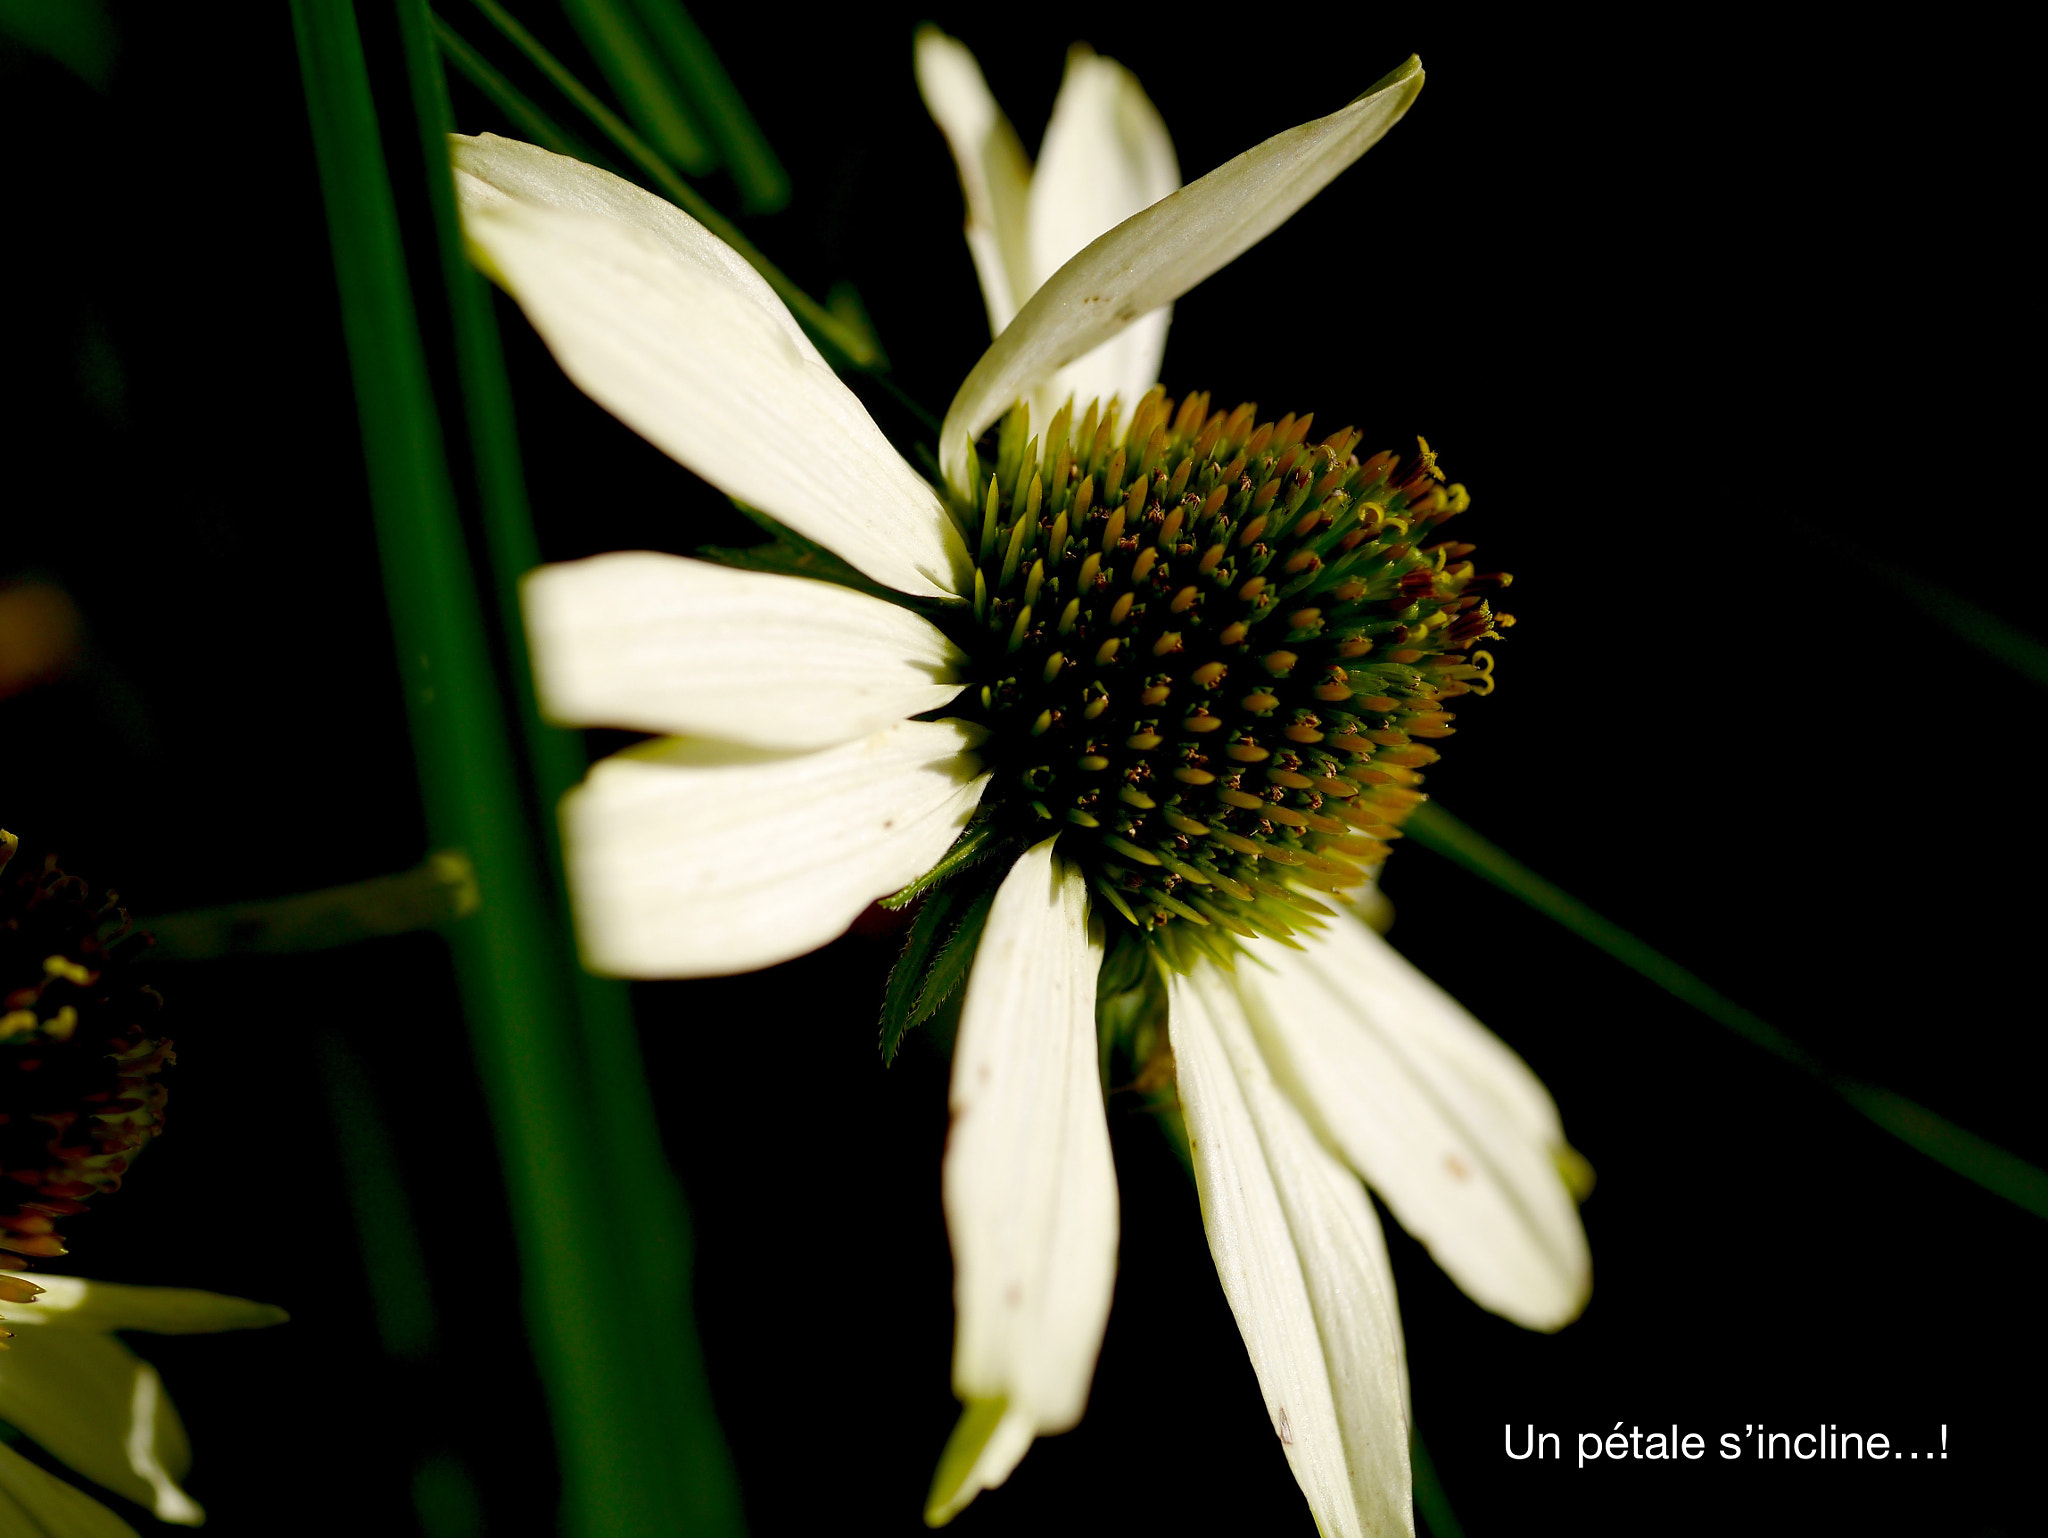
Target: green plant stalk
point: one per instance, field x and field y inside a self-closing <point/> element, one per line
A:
<point x="631" y="66"/>
<point x="763" y="184"/>
<point x="828" y="330"/>
<point x="511" y="961"/>
<point x="1960" y="1150"/>
<point x="649" y="1216"/>
<point x="509" y="99"/>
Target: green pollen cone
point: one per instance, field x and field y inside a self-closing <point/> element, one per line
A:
<point x="1209" y="650"/>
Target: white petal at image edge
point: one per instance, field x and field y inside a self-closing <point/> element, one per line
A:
<point x="1106" y="157"/>
<point x="1030" y="1189"/>
<point x="1303" y="1265"/>
<point x="700" y="859"/>
<point x="659" y="643"/>
<point x="706" y="364"/>
<point x="1158" y="255"/>
<point x="36" y="1504"/>
<point x="1448" y="1125"/>
<point x="88" y="1400"/>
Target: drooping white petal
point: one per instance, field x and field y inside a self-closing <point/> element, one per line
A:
<point x="1106" y="156"/>
<point x="699" y="859"/>
<point x="1029" y="1186"/>
<point x="658" y="643"/>
<point x="1304" y="1266"/>
<point x="91" y="1402"/>
<point x="994" y="175"/>
<point x="72" y="1303"/>
<point x="671" y="332"/>
<point x="37" y="1504"/>
<point x="1448" y="1125"/>
<point x="1160" y="254"/>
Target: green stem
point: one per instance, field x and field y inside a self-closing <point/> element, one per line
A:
<point x="648" y="1219"/>
<point x="512" y="961"/>
<point x="437" y="891"/>
<point x="827" y="329"/>
<point x="1431" y="1503"/>
<point x="1997" y="1171"/>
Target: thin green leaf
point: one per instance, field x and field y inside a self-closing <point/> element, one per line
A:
<point x="685" y="1462"/>
<point x="633" y="69"/>
<point x="763" y="184"/>
<point x="1984" y="1163"/>
<point x="538" y="127"/>
<point x="825" y="328"/>
<point x="1431" y="1503"/>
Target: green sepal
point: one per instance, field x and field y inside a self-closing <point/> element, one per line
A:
<point x="969" y="847"/>
<point x="930" y="969"/>
<point x="949" y="968"/>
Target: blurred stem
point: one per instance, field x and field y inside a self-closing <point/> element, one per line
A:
<point x="828" y="330"/>
<point x="512" y="962"/>
<point x="1431" y="1504"/>
<point x="763" y="184"/>
<point x="1997" y="1171"/>
<point x="648" y="1220"/>
<point x="439" y="890"/>
<point x="509" y="99"/>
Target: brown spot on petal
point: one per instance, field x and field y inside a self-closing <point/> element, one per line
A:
<point x="1458" y="1168"/>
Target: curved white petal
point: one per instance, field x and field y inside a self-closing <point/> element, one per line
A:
<point x="71" y="1302"/>
<point x="698" y="859"/>
<point x="1160" y="254"/>
<point x="1304" y="1266"/>
<point x="93" y="1403"/>
<point x="1106" y="156"/>
<point x="994" y="175"/>
<point x="658" y="643"/>
<point x="1449" y="1126"/>
<point x="1030" y="1189"/>
<point x="670" y="331"/>
<point x="37" y="1504"/>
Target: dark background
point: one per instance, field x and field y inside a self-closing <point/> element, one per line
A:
<point x="1709" y="319"/>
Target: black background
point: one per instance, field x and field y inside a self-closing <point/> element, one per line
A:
<point x="1709" y="318"/>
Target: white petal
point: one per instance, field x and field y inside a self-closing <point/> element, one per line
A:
<point x="36" y="1504"/>
<point x="1448" y="1125"/>
<point x="1160" y="254"/>
<point x="695" y="859"/>
<point x="1106" y="156"/>
<point x="994" y="174"/>
<point x="90" y="1401"/>
<point x="1029" y="1185"/>
<point x="1304" y="1266"/>
<point x="71" y="1302"/>
<point x="671" y="332"/>
<point x="663" y="644"/>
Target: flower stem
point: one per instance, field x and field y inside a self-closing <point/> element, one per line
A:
<point x="1975" y="1159"/>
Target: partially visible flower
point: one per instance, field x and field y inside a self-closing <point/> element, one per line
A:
<point x="67" y="1383"/>
<point x="1191" y="660"/>
<point x="79" y="1051"/>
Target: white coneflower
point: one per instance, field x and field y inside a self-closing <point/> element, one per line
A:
<point x="1140" y="695"/>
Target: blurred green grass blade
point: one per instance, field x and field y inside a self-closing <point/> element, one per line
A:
<point x="1431" y="1503"/>
<point x="648" y="1220"/>
<point x="1997" y="1171"/>
<point x="752" y="164"/>
<point x="538" y="127"/>
<point x="633" y="69"/>
<point x="511" y="961"/>
<point x="78" y="34"/>
<point x="831" y="332"/>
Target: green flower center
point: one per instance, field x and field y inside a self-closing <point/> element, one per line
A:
<point x="1212" y="653"/>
